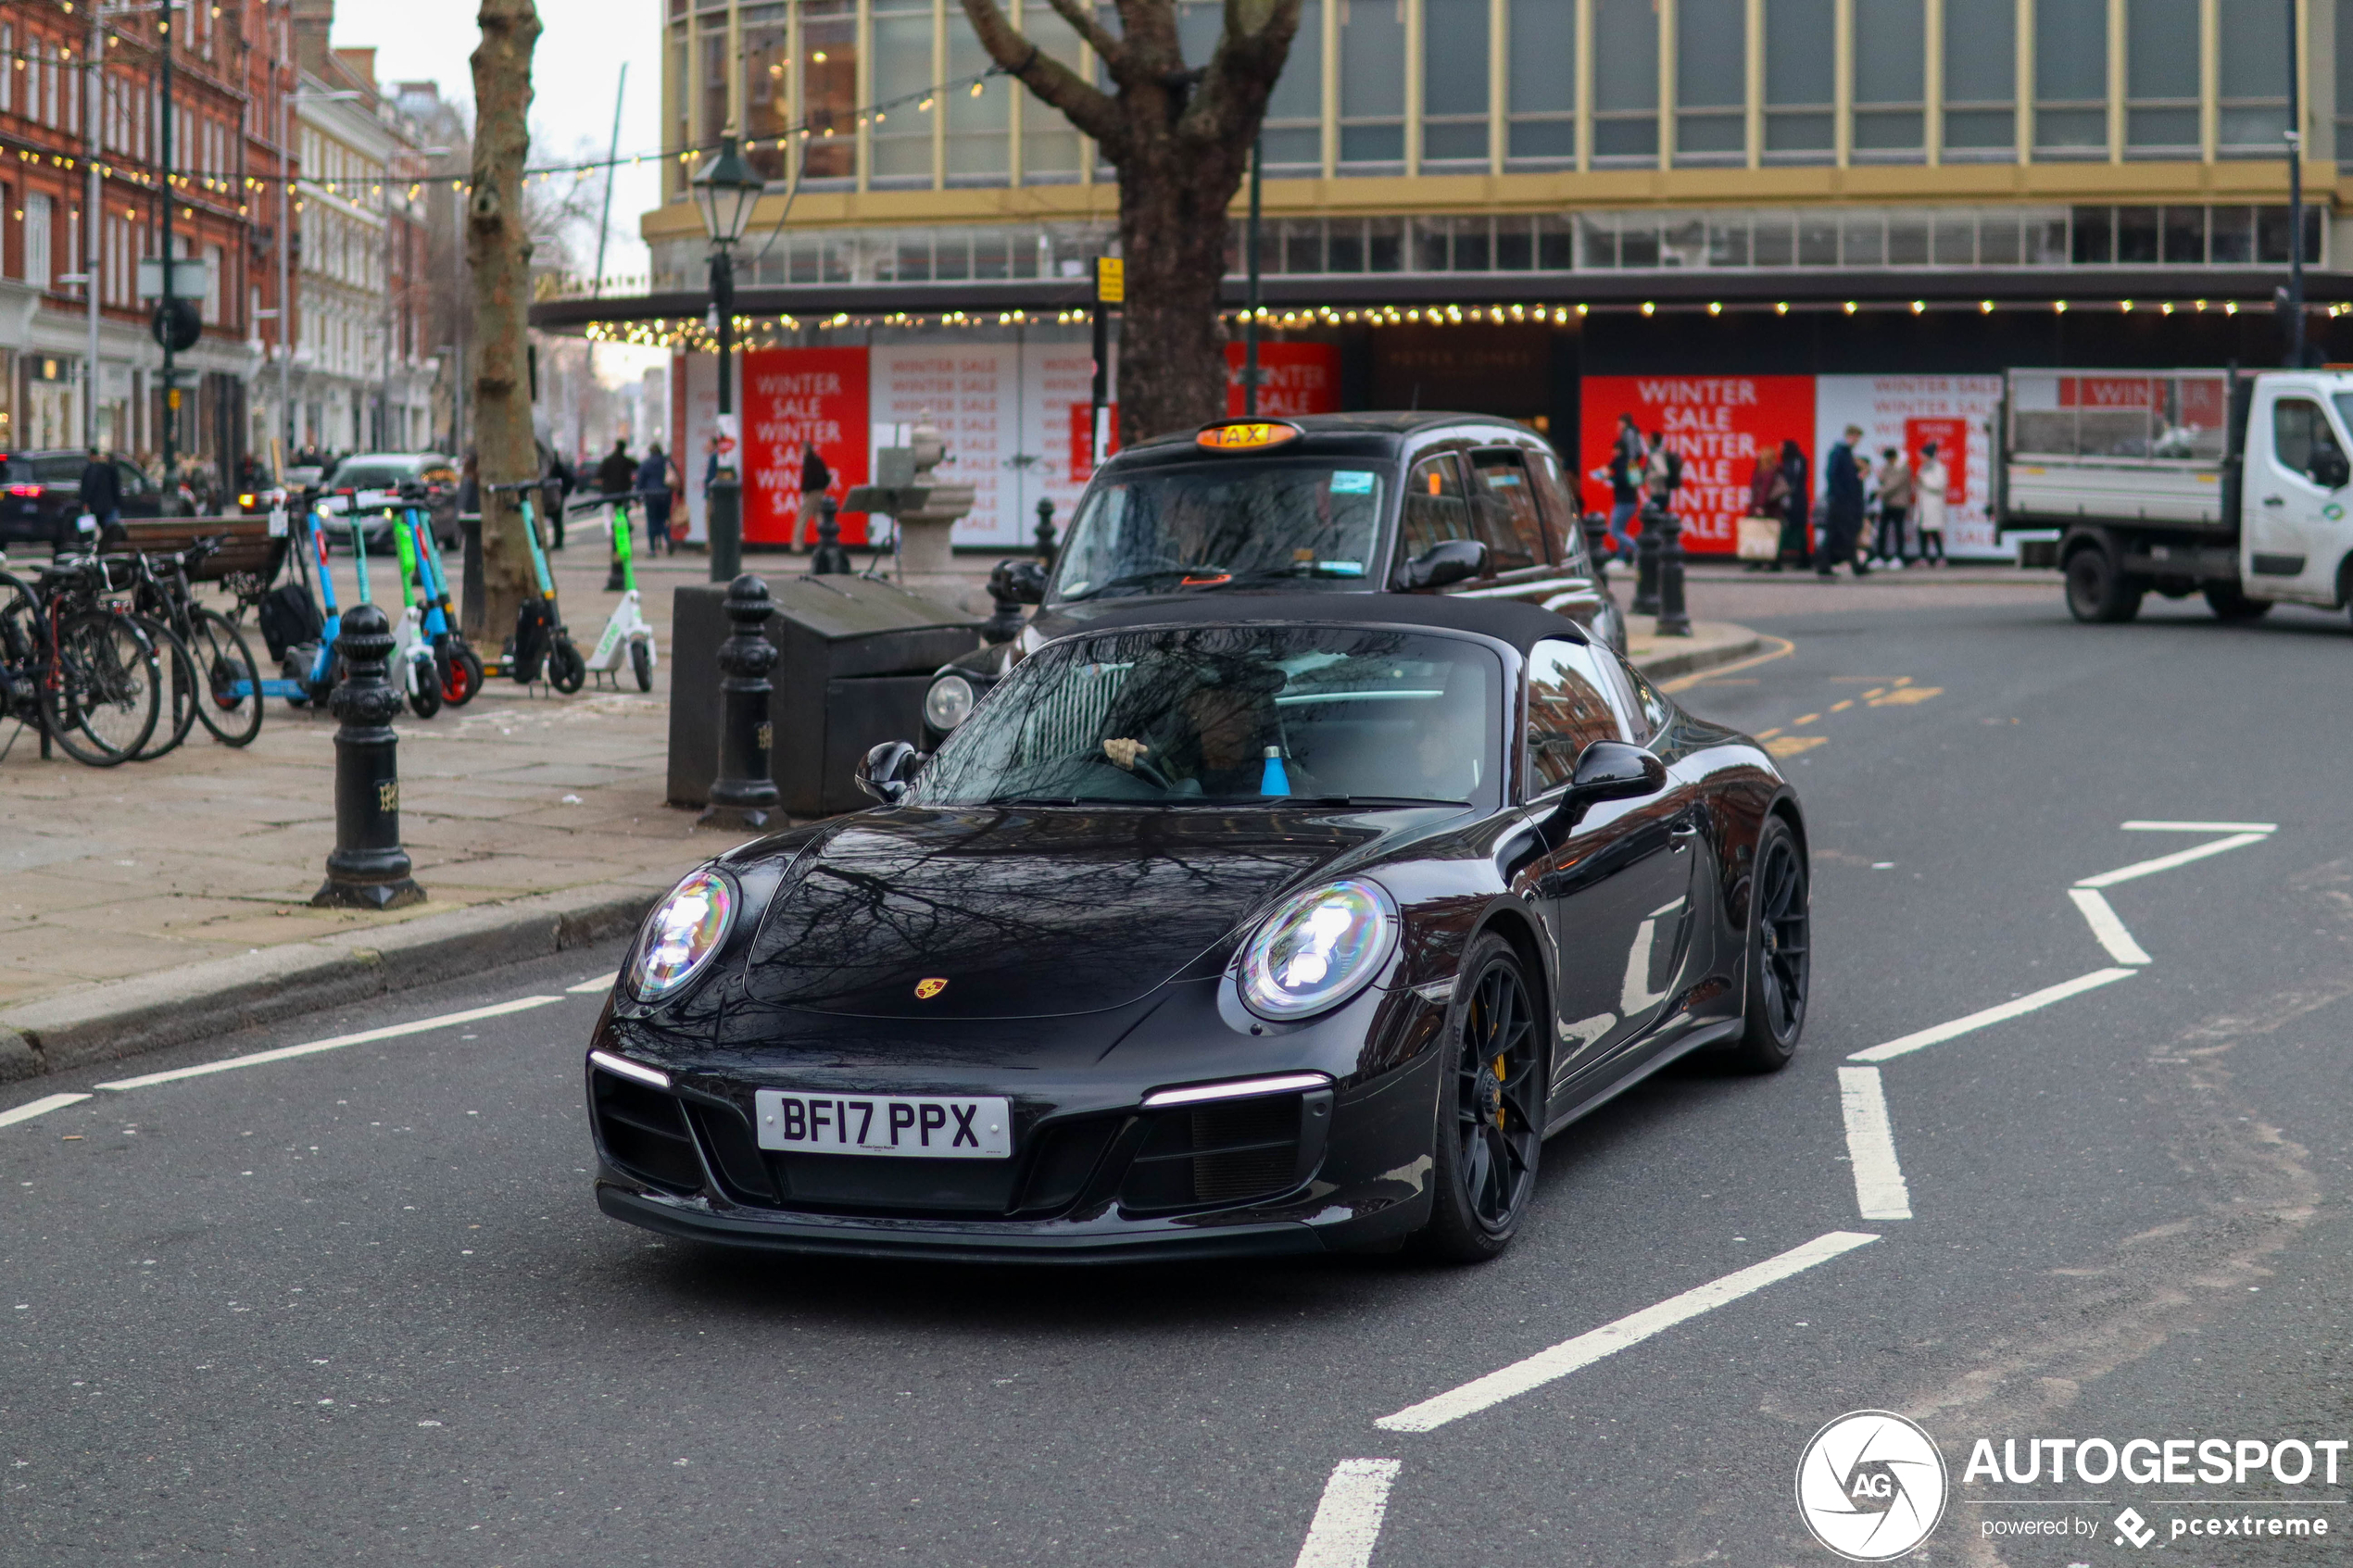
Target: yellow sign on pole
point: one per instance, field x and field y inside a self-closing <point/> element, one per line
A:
<point x="1110" y="280"/>
<point x="172" y="398"/>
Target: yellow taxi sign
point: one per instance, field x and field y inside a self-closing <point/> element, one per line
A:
<point x="1110" y="280"/>
<point x="1246" y="435"/>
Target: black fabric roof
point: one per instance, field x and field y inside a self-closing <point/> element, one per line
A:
<point x="1507" y="620"/>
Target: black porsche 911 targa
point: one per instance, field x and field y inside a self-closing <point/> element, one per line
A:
<point x="1225" y="926"/>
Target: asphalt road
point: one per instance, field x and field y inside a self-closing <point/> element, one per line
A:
<point x="358" y="1306"/>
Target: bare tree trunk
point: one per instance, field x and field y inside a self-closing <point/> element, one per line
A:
<point x="1180" y="138"/>
<point x="499" y="250"/>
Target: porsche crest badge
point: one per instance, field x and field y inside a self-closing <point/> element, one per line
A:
<point x="926" y="989"/>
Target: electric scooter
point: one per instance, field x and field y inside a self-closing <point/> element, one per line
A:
<point x="411" y="645"/>
<point x="311" y="669"/>
<point x="627" y="635"/>
<point x="461" y="666"/>
<point x="541" y="641"/>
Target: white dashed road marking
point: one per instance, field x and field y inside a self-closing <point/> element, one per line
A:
<point x="589" y="987"/>
<point x="1545" y="1366"/>
<point x="389" y="1032"/>
<point x="1348" y="1520"/>
<point x="2199" y="827"/>
<point x="2167" y="862"/>
<point x="1870" y="1145"/>
<point x="2106" y="927"/>
<point x="40" y="1107"/>
<point x="2018" y="1007"/>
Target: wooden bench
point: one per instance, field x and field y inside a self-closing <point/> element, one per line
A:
<point x="247" y="549"/>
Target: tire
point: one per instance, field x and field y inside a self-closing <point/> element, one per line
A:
<point x="182" y="691"/>
<point x="2097" y="593"/>
<point x="424" y="701"/>
<point x="641" y="661"/>
<point x="226" y="666"/>
<point x="1488" y="1131"/>
<point x="462" y="673"/>
<point x="1780" y="966"/>
<point x="101" y="705"/>
<point x="2229" y="602"/>
<point x="567" y="671"/>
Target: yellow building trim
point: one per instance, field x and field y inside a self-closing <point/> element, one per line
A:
<point x="2209" y="76"/>
<point x="1932" y="81"/>
<point x="2022" y="36"/>
<point x="1754" y="73"/>
<point x="2116" y="81"/>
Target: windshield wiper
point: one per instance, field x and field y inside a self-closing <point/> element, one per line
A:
<point x="1364" y="800"/>
<point x="1139" y="579"/>
<point x="1298" y="568"/>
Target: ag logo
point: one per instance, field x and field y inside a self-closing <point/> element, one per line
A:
<point x="926" y="989"/>
<point x="1872" y="1485"/>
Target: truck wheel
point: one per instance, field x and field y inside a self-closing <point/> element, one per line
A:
<point x="2098" y="592"/>
<point x="2229" y="602"/>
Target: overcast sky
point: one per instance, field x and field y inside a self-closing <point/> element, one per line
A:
<point x="574" y="72"/>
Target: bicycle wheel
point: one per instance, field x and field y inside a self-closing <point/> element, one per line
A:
<point x="183" y="690"/>
<point x="231" y="707"/>
<point x="102" y="694"/>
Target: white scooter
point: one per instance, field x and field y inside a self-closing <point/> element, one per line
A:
<point x="627" y="635"/>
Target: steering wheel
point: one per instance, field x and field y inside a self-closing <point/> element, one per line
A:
<point x="1142" y="769"/>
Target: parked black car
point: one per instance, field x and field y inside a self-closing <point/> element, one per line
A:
<point x="1463" y="505"/>
<point x="377" y="475"/>
<point x="1233" y="924"/>
<point x="41" y="495"/>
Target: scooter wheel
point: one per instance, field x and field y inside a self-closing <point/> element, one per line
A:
<point x="641" y="660"/>
<point x="425" y="700"/>
<point x="567" y="671"/>
<point x="461" y="675"/>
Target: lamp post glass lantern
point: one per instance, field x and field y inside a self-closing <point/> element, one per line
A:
<point x="726" y="189"/>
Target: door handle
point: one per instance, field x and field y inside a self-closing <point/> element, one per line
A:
<point x="1685" y="829"/>
<point x="2273" y="501"/>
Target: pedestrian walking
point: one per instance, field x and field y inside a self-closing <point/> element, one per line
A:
<point x="1933" y="482"/>
<point x="1623" y="473"/>
<point x="1662" y="471"/>
<point x="617" y="475"/>
<point x="1895" y="499"/>
<point x="1842" y="507"/>
<point x="654" y="477"/>
<point x="814" y="479"/>
<point x="560" y="481"/>
<point x="1797" y="494"/>
<point x="101" y="496"/>
<point x="1768" y="499"/>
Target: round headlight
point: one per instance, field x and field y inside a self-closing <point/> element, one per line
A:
<point x="1319" y="949"/>
<point x="949" y="702"/>
<point x="681" y="934"/>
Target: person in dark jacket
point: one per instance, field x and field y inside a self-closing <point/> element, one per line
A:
<point x="101" y="494"/>
<point x="653" y="487"/>
<point x="1842" y="507"/>
<point x="561" y="480"/>
<point x="617" y="475"/>
<point x="1797" y="489"/>
<point x="815" y="477"/>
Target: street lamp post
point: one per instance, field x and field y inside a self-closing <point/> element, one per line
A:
<point x="726" y="188"/>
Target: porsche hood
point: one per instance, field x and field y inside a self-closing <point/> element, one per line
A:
<point x="1022" y="913"/>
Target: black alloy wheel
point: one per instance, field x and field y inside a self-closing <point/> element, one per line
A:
<point x="1780" y="964"/>
<point x="1491" y="1110"/>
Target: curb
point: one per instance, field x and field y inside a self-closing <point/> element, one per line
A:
<point x="173" y="1006"/>
<point x="1665" y="664"/>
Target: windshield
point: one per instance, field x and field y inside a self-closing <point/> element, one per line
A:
<point x="1221" y="524"/>
<point x="1251" y="715"/>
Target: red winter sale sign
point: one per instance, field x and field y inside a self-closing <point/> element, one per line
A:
<point x="791" y="396"/>
<point x="1717" y="424"/>
<point x="1294" y="378"/>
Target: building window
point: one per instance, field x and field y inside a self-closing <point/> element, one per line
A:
<point x="1050" y="145"/>
<point x="1625" y="82"/>
<point x="768" y="96"/>
<point x="1372" y="86"/>
<point x="1711" y="82"/>
<point x="1454" y="60"/>
<point x="713" y="41"/>
<point x="1890" y="55"/>
<point x="39" y="258"/>
<point x="2161" y="59"/>
<point x="900" y="145"/>
<point x="1291" y="142"/>
<point x="978" y="147"/>
<point x="2070" y="79"/>
<point x="1800" y="81"/>
<point x="2253" y="80"/>
<point x="1540" y="79"/>
<point x="1980" y="82"/>
<point x="829" y="86"/>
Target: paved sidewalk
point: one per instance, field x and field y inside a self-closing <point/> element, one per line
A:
<point x="160" y="901"/>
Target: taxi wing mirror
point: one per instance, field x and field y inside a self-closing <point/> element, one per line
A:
<point x="888" y="772"/>
<point x="1448" y="561"/>
<point x="1023" y="582"/>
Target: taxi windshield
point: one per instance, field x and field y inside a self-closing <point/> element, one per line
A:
<point x="1227" y="523"/>
<point x="1231" y="715"/>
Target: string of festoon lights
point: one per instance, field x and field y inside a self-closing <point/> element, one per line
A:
<point x="697" y="334"/>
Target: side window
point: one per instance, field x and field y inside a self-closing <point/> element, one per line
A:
<point x="2301" y="437"/>
<point x="1561" y="523"/>
<point x="1566" y="712"/>
<point x="1436" y="509"/>
<point x="1516" y="533"/>
<point x="134" y="482"/>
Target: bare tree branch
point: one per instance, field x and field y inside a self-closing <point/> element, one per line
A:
<point x="1090" y="109"/>
<point x="1105" y="42"/>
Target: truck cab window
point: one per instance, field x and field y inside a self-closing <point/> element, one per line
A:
<point x="2304" y="442"/>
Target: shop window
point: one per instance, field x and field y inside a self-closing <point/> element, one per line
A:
<point x="1051" y="146"/>
<point x="1801" y="55"/>
<point x="2070" y="79"/>
<point x="1541" y="84"/>
<point x="2161" y="59"/>
<point x="979" y="151"/>
<point x="829" y="86"/>
<point x="1372" y="86"/>
<point x="1711" y="82"/>
<point x="900" y="139"/>
<point x="1291" y="142"/>
<point x="2252" y="81"/>
<point x="1889" y="53"/>
<point x="1454" y="62"/>
<point x="1625" y="91"/>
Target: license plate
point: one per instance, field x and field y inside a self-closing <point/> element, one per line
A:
<point x="911" y="1126"/>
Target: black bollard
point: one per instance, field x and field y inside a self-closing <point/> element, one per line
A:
<point x="829" y="558"/>
<point x="367" y="869"/>
<point x="745" y="792"/>
<point x="1595" y="527"/>
<point x="1646" y="563"/>
<point x="1006" y="624"/>
<point x="1672" y="621"/>
<point x="1046" y="530"/>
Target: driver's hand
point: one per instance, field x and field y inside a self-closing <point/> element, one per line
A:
<point x="1123" y="752"/>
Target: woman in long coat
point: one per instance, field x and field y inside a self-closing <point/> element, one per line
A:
<point x="1795" y="545"/>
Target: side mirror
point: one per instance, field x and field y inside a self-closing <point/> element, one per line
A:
<point x="889" y="770"/>
<point x="2330" y="469"/>
<point x="1448" y="561"/>
<point x="1611" y="769"/>
<point x="1023" y="582"/>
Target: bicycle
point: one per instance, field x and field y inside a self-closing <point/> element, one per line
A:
<point x="88" y="678"/>
<point x="87" y="585"/>
<point x="227" y="678"/>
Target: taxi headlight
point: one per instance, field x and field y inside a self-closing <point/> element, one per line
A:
<point x="1319" y="949"/>
<point x="949" y="702"/>
<point x="682" y="933"/>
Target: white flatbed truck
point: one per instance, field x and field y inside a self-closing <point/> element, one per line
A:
<point x="2235" y="485"/>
